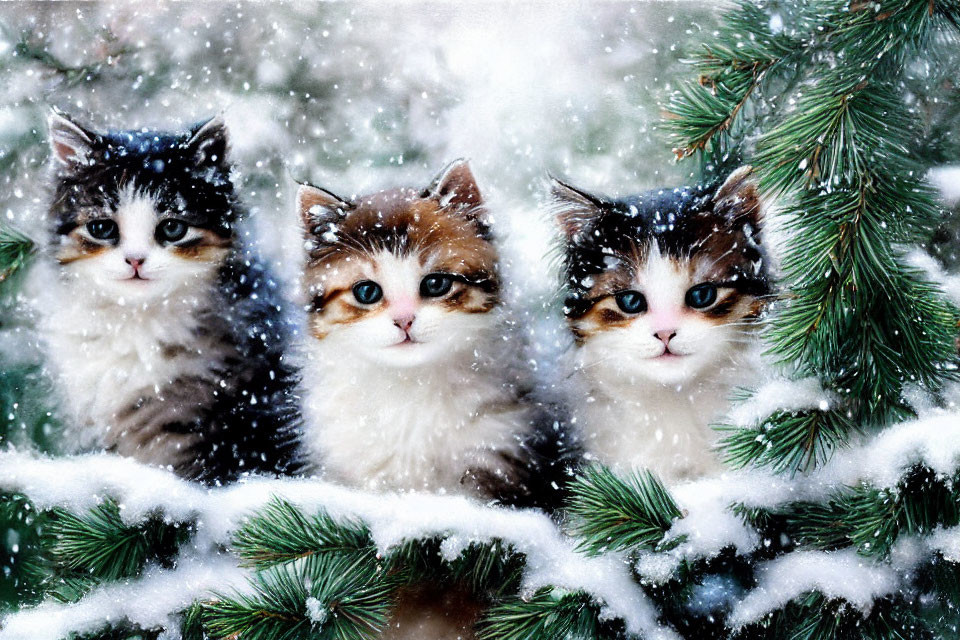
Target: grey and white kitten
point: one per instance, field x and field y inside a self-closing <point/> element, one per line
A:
<point x="166" y="337"/>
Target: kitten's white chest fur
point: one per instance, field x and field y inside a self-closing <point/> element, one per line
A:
<point x="632" y="424"/>
<point x="106" y="357"/>
<point x="407" y="429"/>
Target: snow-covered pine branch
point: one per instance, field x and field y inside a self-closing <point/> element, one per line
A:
<point x="82" y="482"/>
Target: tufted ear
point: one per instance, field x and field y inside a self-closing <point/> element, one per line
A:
<point x="318" y="207"/>
<point x="209" y="142"/>
<point x="455" y="185"/>
<point x="72" y="144"/>
<point x="575" y="209"/>
<point x="739" y="198"/>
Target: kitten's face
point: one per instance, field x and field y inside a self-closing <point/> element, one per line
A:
<point x="137" y="216"/>
<point x="662" y="287"/>
<point x="400" y="278"/>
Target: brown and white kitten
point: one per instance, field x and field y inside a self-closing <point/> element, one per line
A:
<point x="662" y="293"/>
<point x="405" y="387"/>
<point x="166" y="336"/>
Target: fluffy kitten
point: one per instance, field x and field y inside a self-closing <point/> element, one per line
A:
<point x="165" y="336"/>
<point x="407" y="385"/>
<point x="662" y="291"/>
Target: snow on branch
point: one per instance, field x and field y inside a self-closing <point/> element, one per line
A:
<point x="551" y="560"/>
<point x="148" y="602"/>
<point x="709" y="526"/>
<point x="837" y="574"/>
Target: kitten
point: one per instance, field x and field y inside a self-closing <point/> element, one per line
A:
<point x="165" y="335"/>
<point x="406" y="388"/>
<point x="662" y="294"/>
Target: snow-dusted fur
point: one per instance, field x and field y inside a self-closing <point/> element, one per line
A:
<point x="417" y="428"/>
<point x="656" y="368"/>
<point x="410" y="391"/>
<point x="165" y="337"/>
<point x="629" y="421"/>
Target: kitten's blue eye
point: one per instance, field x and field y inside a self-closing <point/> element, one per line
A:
<point x="367" y="292"/>
<point x="702" y="295"/>
<point x="171" y="230"/>
<point x="103" y="229"/>
<point x="435" y="285"/>
<point x="631" y="301"/>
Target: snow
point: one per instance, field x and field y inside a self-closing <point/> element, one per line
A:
<point x="317" y="611"/>
<point x="947" y="180"/>
<point x="150" y="601"/>
<point x="709" y="526"/>
<point x="949" y="283"/>
<point x="780" y="395"/>
<point x="78" y="483"/>
<point x="838" y="574"/>
<point x="946" y="542"/>
<point x="471" y="82"/>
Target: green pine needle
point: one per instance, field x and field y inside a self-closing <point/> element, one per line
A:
<point x="282" y="532"/>
<point x="873" y="519"/>
<point x="815" y="617"/>
<point x="15" y="251"/>
<point x="610" y="512"/>
<point x="324" y="597"/>
<point x="99" y="545"/>
<point x="787" y="441"/>
<point x="547" y="614"/>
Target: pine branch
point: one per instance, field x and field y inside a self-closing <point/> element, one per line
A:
<point x="322" y="597"/>
<point x="608" y="512"/>
<point x="874" y="519"/>
<point x="83" y="551"/>
<point x="787" y="441"/>
<point x="281" y="532"/>
<point x="15" y="251"/>
<point x="549" y="613"/>
<point x="490" y="569"/>
<point x="815" y="617"/>
<point x="732" y="68"/>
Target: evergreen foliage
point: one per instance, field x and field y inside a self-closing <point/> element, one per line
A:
<point x="324" y="596"/>
<point x="549" y="613"/>
<point x="15" y="250"/>
<point x="608" y="512"/>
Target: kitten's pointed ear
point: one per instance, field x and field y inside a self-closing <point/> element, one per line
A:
<point x="72" y="144"/>
<point x="738" y="197"/>
<point x="455" y="185"/>
<point x="574" y="208"/>
<point x="318" y="207"/>
<point x="209" y="142"/>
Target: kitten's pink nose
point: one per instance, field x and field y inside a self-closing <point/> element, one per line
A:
<point x="666" y="336"/>
<point x="404" y="322"/>
<point x="135" y="261"/>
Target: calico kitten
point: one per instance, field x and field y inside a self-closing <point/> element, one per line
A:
<point x="165" y="335"/>
<point x="406" y="388"/>
<point x="662" y="293"/>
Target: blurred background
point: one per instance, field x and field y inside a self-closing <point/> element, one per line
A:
<point x="355" y="97"/>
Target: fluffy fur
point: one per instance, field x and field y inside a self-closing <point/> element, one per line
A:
<point x="165" y="336"/>
<point x="659" y="368"/>
<point x="409" y="392"/>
